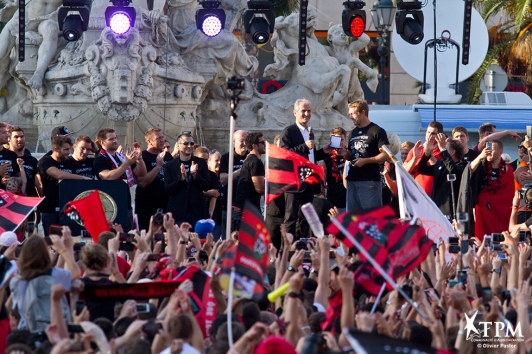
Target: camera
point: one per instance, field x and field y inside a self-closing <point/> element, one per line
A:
<point x="158" y="217"/>
<point x="453" y="245"/>
<point x="497" y="237"/>
<point x="235" y="83"/>
<point x="523" y="191"/>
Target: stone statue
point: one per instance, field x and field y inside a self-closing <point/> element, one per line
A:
<point x="322" y="80"/>
<point x="114" y="63"/>
<point x="216" y="58"/>
<point x="346" y="53"/>
<point x="42" y="29"/>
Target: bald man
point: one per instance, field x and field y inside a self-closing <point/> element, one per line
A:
<point x="240" y="153"/>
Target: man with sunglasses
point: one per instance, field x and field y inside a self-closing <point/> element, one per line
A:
<point x="185" y="179"/>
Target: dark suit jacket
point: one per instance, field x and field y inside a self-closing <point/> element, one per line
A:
<point x="183" y="193"/>
<point x="441" y="189"/>
<point x="292" y="139"/>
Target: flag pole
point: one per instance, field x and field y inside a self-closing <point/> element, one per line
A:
<point x="266" y="184"/>
<point x="377" y="299"/>
<point x="377" y="266"/>
<point x="229" y="217"/>
<point x="230" y="309"/>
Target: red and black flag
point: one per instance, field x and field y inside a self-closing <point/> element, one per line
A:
<point x="397" y="247"/>
<point x="286" y="171"/>
<point x="88" y="212"/>
<point x="249" y="258"/>
<point x="14" y="209"/>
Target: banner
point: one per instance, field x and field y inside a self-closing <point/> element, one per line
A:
<point x="14" y="209"/>
<point x="286" y="171"/>
<point x="415" y="203"/>
<point x="249" y="258"/>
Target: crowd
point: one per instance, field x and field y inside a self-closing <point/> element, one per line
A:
<point x="472" y="286"/>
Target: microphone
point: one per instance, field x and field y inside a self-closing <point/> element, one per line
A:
<point x="310" y="133"/>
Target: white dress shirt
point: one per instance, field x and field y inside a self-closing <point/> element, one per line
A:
<point x="306" y="136"/>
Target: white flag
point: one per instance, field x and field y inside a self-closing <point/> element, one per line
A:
<point x="415" y="203"/>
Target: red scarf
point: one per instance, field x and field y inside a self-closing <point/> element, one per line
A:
<point x="122" y="158"/>
<point x="336" y="160"/>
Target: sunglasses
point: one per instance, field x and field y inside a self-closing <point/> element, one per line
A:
<point x="188" y="143"/>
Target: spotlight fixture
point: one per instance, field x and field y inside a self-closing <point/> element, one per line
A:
<point x="302" y="38"/>
<point x="120" y="17"/>
<point x="409" y="21"/>
<point x="259" y="21"/>
<point x="354" y="18"/>
<point x="210" y="20"/>
<point x="73" y="18"/>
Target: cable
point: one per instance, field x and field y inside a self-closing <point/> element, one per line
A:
<point x="435" y="61"/>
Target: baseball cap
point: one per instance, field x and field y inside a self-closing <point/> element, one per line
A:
<point x="8" y="238"/>
<point x="61" y="130"/>
<point x="204" y="226"/>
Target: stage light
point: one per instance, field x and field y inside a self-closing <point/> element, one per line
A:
<point x="409" y="21"/>
<point x="354" y="18"/>
<point x="210" y="20"/>
<point x="259" y="21"/>
<point x="73" y="18"/>
<point x="120" y="17"/>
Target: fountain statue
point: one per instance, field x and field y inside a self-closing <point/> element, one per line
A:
<point x="165" y="73"/>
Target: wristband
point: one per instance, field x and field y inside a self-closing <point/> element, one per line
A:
<point x="183" y="242"/>
<point x="293" y="295"/>
<point x="515" y="207"/>
<point x="61" y="251"/>
<point x="497" y="270"/>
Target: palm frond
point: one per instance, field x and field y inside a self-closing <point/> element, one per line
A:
<point x="473" y="96"/>
<point x="285" y="7"/>
<point x="491" y="7"/>
<point x="522" y="9"/>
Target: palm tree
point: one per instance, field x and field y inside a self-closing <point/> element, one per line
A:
<point x="510" y="43"/>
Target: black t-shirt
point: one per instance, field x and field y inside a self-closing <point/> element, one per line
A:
<point x="365" y="142"/>
<point x="214" y="183"/>
<point x="153" y="193"/>
<point x="238" y="162"/>
<point x="50" y="185"/>
<point x="30" y="167"/>
<point x="253" y="167"/>
<point x="85" y="167"/>
<point x="470" y="155"/>
<point x="9" y="156"/>
<point x="103" y="163"/>
<point x="336" y="192"/>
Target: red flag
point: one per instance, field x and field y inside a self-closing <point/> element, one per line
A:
<point x="90" y="210"/>
<point x="286" y="171"/>
<point x="250" y="257"/>
<point x="14" y="209"/>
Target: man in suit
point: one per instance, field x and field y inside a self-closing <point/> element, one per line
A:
<point x="185" y="179"/>
<point x="299" y="138"/>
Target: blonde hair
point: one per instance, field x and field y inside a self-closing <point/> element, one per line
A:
<point x="18" y="180"/>
<point x="360" y="105"/>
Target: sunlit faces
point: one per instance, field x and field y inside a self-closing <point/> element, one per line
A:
<point x="303" y="113"/>
<point x="81" y="150"/>
<point x="111" y="142"/>
<point x="17" y="141"/>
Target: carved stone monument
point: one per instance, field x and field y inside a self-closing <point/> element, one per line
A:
<point x="165" y="73"/>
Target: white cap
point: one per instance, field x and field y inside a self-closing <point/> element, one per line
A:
<point x="8" y="238"/>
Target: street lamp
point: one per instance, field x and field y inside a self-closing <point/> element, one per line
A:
<point x="382" y="15"/>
